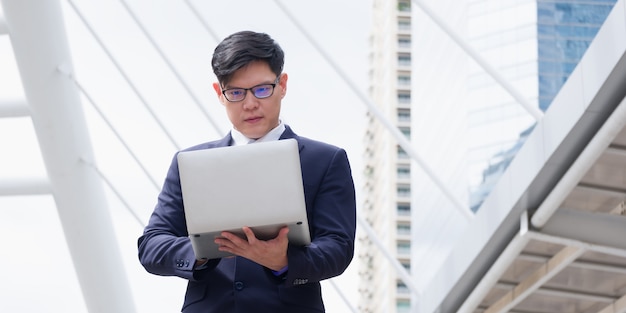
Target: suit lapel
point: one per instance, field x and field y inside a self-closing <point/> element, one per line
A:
<point x="288" y="133"/>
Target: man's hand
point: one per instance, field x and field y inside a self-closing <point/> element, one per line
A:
<point x="271" y="253"/>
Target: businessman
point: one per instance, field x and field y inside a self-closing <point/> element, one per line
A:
<point x="263" y="276"/>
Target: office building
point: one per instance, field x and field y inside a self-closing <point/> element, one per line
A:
<point x="387" y="202"/>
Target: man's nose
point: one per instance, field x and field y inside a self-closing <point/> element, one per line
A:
<point x="250" y="101"/>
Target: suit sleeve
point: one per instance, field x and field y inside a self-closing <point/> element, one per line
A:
<point x="331" y="208"/>
<point x="164" y="248"/>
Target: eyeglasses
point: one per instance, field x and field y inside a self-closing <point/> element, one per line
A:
<point x="259" y="91"/>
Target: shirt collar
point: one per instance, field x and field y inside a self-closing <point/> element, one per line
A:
<point x="239" y="139"/>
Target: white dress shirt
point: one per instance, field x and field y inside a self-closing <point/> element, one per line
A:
<point x="239" y="139"/>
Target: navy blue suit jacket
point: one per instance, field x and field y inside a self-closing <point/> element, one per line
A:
<point x="237" y="284"/>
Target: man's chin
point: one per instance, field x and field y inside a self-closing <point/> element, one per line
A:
<point x="253" y="134"/>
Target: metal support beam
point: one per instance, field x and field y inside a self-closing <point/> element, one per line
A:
<point x="577" y="243"/>
<point x="24" y="187"/>
<point x="40" y="46"/>
<point x="609" y="192"/>
<point x="594" y="228"/>
<point x="14" y="108"/>
<point x="619" y="209"/>
<point x="619" y="306"/>
<point x="549" y="269"/>
<point x="559" y="293"/>
<point x="616" y="150"/>
<point x="586" y="265"/>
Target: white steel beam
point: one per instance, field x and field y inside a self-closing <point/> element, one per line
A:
<point x="24" y="187"/>
<point x="577" y="243"/>
<point x="598" y="229"/>
<point x="40" y="45"/>
<point x="14" y="108"/>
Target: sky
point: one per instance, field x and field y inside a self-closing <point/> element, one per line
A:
<point x="36" y="271"/>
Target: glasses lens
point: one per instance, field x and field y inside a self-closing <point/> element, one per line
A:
<point x="262" y="91"/>
<point x="235" y="94"/>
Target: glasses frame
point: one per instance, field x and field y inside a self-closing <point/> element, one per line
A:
<point x="245" y="90"/>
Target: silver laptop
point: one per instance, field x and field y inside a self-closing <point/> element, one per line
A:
<point x="257" y="185"/>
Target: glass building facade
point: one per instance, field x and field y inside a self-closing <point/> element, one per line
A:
<point x="564" y="31"/>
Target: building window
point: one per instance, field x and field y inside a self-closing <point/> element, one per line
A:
<point x="404" y="191"/>
<point x="402" y="154"/>
<point x="404" y="115"/>
<point x="404" y="6"/>
<point x="406" y="131"/>
<point x="404" y="42"/>
<point x="403" y="306"/>
<point x="403" y="229"/>
<point x="404" y="209"/>
<point x="404" y="171"/>
<point x="404" y="80"/>
<point x="404" y="24"/>
<point x="402" y="287"/>
<point x="404" y="97"/>
<point x="404" y="247"/>
<point x="404" y="60"/>
<point x="407" y="266"/>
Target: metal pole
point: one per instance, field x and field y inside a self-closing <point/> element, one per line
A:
<point x="24" y="187"/>
<point x="38" y="37"/>
<point x="13" y="108"/>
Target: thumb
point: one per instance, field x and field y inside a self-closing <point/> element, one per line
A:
<point x="283" y="232"/>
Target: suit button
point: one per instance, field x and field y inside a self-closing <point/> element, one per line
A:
<point x="238" y="285"/>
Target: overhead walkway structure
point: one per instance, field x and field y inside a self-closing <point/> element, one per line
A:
<point x="551" y="236"/>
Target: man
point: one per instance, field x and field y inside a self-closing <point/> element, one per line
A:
<point x="263" y="276"/>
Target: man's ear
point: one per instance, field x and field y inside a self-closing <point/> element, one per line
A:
<point x="283" y="84"/>
<point x="217" y="88"/>
<point x="218" y="91"/>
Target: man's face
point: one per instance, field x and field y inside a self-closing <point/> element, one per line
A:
<point x="251" y="116"/>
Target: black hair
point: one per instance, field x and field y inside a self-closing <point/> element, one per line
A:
<point x="242" y="48"/>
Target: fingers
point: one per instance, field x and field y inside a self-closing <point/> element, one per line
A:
<point x="249" y="234"/>
<point x="229" y="241"/>
<point x="235" y="244"/>
<point x="269" y="253"/>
